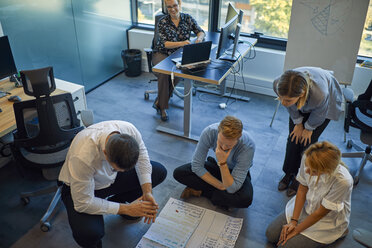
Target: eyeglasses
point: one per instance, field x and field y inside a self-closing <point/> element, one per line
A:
<point x="173" y="6"/>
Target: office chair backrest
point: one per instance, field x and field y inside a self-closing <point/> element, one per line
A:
<point x="47" y="123"/>
<point x="39" y="82"/>
<point x="359" y="112"/>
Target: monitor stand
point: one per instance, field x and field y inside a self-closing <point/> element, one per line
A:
<point x="228" y="56"/>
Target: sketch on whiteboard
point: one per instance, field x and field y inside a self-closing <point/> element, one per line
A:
<point x="329" y="17"/>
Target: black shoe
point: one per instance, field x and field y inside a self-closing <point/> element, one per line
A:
<point x="292" y="189"/>
<point x="155" y="106"/>
<point x="164" y="115"/>
<point x="286" y="180"/>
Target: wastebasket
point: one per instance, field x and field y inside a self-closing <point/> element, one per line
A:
<point x="132" y="59"/>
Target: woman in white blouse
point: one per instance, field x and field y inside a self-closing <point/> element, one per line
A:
<point x="320" y="213"/>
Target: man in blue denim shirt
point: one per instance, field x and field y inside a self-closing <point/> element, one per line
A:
<point x="226" y="182"/>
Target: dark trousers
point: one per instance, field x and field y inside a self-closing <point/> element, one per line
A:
<point x="165" y="87"/>
<point x="293" y="154"/>
<point x="88" y="229"/>
<point x="240" y="199"/>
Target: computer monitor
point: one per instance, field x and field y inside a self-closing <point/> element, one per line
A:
<point x="231" y="12"/>
<point x="227" y="37"/>
<point x="237" y="33"/>
<point x="7" y="65"/>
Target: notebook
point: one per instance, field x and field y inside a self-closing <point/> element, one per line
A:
<point x="194" y="55"/>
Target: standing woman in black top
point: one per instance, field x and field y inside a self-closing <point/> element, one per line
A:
<point x="174" y="32"/>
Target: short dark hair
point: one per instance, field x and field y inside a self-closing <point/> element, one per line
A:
<point x="122" y="150"/>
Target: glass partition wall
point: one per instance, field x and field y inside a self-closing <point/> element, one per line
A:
<point x="81" y="39"/>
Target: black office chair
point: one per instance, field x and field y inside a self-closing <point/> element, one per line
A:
<point x="45" y="128"/>
<point x="149" y="52"/>
<point x="359" y="115"/>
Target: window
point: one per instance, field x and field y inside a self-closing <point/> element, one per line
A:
<point x="199" y="9"/>
<point x="365" y="48"/>
<point x="269" y="17"/>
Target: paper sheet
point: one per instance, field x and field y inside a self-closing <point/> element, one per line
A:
<point x="182" y="224"/>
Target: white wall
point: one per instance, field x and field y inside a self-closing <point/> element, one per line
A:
<point x="259" y="72"/>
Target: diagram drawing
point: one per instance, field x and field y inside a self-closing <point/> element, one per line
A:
<point x="328" y="17"/>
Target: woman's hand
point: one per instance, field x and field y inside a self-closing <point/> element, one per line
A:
<point x="185" y="42"/>
<point x="306" y="136"/>
<point x="288" y="232"/>
<point x="297" y="132"/>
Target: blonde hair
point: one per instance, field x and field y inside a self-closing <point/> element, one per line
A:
<point x="231" y="127"/>
<point x="323" y="157"/>
<point x="295" y="84"/>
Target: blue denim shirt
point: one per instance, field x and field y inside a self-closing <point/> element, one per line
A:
<point x="324" y="99"/>
<point x="239" y="160"/>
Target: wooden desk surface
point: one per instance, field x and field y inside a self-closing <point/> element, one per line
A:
<point x="7" y="118"/>
<point x="215" y="72"/>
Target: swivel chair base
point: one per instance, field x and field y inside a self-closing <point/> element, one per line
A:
<point x="362" y="153"/>
<point x="45" y="220"/>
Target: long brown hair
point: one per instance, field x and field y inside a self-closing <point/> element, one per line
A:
<point x="295" y="84"/>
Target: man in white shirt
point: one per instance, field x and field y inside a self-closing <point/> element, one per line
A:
<point x="108" y="160"/>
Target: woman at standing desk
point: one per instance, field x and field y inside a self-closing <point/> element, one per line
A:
<point x="174" y="32"/>
<point x="312" y="97"/>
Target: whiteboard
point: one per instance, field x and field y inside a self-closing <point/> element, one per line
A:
<point x="326" y="34"/>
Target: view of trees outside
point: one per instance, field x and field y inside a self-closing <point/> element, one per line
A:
<point x="270" y="17"/>
<point x="365" y="48"/>
<point x="198" y="9"/>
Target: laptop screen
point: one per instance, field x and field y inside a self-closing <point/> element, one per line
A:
<point x="197" y="52"/>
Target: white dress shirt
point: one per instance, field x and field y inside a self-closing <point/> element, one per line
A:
<point x="86" y="169"/>
<point x="332" y="192"/>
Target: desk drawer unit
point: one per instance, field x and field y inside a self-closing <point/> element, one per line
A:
<point x="77" y="92"/>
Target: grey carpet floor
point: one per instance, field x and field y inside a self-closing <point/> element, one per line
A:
<point x="122" y="99"/>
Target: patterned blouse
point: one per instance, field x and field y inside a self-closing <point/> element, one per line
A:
<point x="167" y="31"/>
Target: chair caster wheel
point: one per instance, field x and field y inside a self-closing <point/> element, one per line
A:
<point x="193" y="91"/>
<point x="45" y="227"/>
<point x="147" y="96"/>
<point x="25" y="200"/>
<point x="349" y="144"/>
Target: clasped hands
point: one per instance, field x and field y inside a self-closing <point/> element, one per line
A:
<point x="288" y="232"/>
<point x="145" y="206"/>
<point x="301" y="134"/>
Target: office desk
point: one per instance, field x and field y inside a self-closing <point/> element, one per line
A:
<point x="7" y="118"/>
<point x="215" y="73"/>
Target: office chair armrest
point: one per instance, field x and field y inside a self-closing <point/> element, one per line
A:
<point x="148" y="50"/>
<point x="149" y="58"/>
<point x="363" y="122"/>
<point x="348" y="94"/>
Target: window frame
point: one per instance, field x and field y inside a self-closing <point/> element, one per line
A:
<point x="263" y="41"/>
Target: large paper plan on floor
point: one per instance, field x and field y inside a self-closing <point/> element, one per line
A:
<point x="182" y="224"/>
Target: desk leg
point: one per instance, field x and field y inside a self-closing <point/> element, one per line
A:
<point x="186" y="116"/>
<point x="187" y="105"/>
